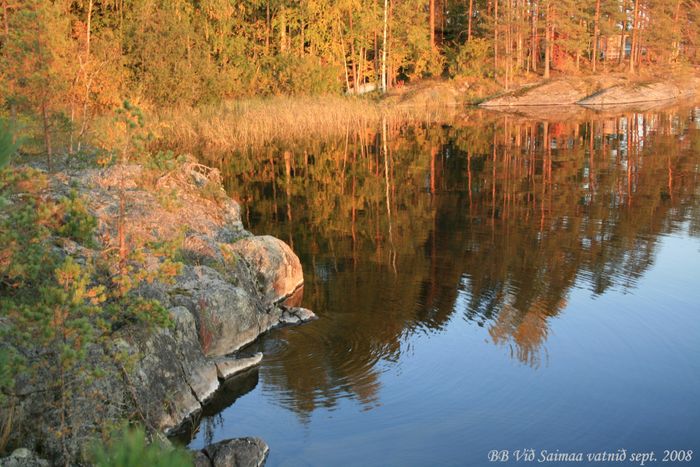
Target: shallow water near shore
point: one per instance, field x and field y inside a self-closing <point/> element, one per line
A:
<point x="498" y="283"/>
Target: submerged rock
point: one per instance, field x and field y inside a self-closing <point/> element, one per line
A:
<point x="240" y="452"/>
<point x="297" y="315"/>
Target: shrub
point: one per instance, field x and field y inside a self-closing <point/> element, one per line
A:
<point x="55" y="309"/>
<point x="8" y="145"/>
<point x="77" y="223"/>
<point x="473" y="59"/>
<point x="299" y="76"/>
<point x="129" y="449"/>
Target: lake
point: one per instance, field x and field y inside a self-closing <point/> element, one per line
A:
<point x="493" y="282"/>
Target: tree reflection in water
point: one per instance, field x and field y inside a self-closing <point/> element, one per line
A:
<point x="492" y="217"/>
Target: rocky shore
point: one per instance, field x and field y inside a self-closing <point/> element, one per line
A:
<point x="232" y="287"/>
<point x="595" y="92"/>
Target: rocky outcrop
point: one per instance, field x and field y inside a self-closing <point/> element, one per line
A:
<point x="594" y="91"/>
<point x="228" y="314"/>
<point x="229" y="291"/>
<point x="636" y="93"/>
<point x="241" y="452"/>
<point x="564" y="91"/>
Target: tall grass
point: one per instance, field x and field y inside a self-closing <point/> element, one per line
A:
<point x="249" y="124"/>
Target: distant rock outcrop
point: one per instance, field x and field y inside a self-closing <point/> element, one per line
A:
<point x="563" y="91"/>
<point x="595" y="91"/>
<point x="636" y="93"/>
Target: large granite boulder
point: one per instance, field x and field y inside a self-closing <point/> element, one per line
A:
<point x="278" y="268"/>
<point x="229" y="313"/>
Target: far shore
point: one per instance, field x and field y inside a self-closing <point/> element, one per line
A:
<point x="252" y="124"/>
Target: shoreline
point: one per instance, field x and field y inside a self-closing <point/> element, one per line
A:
<point x="240" y="126"/>
<point x="598" y="91"/>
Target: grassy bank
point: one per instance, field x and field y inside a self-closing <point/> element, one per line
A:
<point x="249" y="124"/>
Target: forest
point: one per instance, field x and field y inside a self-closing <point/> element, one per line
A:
<point x="64" y="62"/>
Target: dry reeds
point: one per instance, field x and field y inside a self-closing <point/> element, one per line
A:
<point x="248" y="124"/>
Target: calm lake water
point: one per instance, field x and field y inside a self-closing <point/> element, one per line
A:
<point x="495" y="283"/>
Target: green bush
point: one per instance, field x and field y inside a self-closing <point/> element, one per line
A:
<point x="60" y="305"/>
<point x="473" y="59"/>
<point x="77" y="223"/>
<point x="289" y="75"/>
<point x="8" y="146"/>
<point x="129" y="449"/>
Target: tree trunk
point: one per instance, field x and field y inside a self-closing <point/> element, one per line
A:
<point x="519" y="42"/>
<point x="547" y="41"/>
<point x="432" y="23"/>
<point x="352" y="55"/>
<point x="361" y="69"/>
<point x="621" y="56"/>
<point x="345" y="58"/>
<point x="6" y="19"/>
<point x="375" y="57"/>
<point x="386" y="8"/>
<point x="283" y="31"/>
<point x="495" y="40"/>
<point x="391" y="65"/>
<point x="469" y="20"/>
<point x="302" y="41"/>
<point x="267" y="27"/>
<point x="675" y="53"/>
<point x="509" y="41"/>
<point x="635" y="26"/>
<point x="534" y="46"/>
<point x="596" y="29"/>
<point x="640" y="41"/>
<point x="88" y="79"/>
<point x="6" y="28"/>
<point x="443" y="16"/>
<point x="88" y="32"/>
<point x="47" y="133"/>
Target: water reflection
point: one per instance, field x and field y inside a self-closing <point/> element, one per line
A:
<point x="495" y="218"/>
